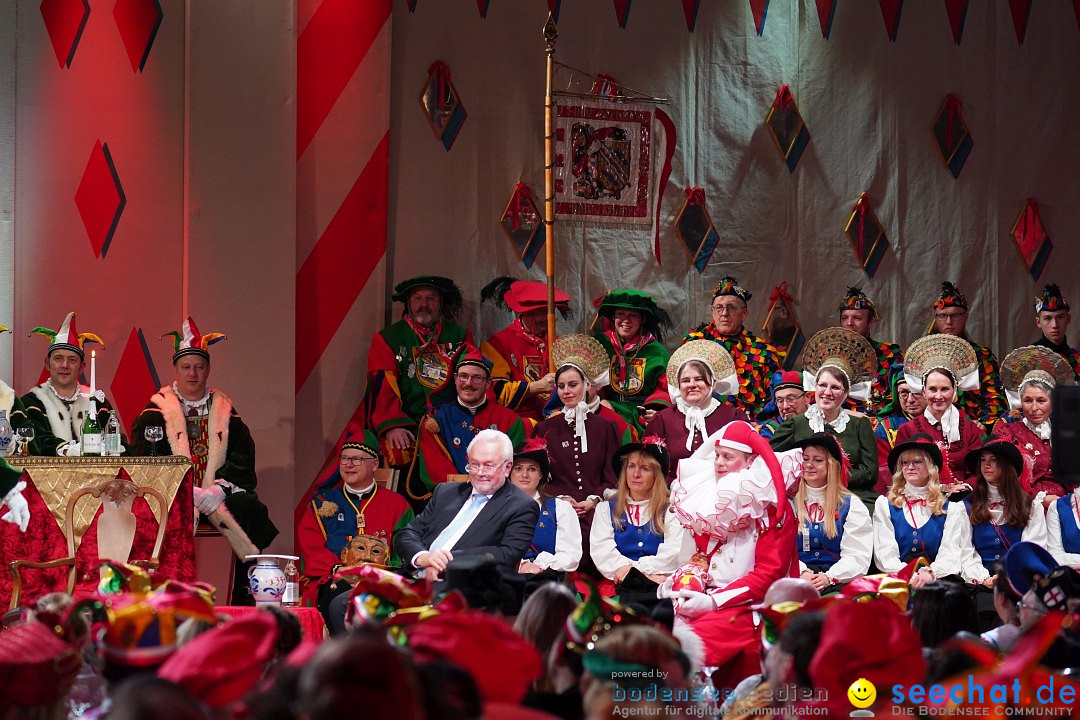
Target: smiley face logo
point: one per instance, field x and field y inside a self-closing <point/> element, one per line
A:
<point x="862" y="693"/>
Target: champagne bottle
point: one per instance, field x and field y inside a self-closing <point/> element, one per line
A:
<point x="91" y="432"/>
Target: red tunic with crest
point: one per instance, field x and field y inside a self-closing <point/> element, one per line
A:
<point x="517" y="358"/>
<point x="1038" y="453"/>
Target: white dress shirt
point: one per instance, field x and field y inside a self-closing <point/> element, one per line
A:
<point x="886" y="552"/>
<point x="675" y="549"/>
<point x="1053" y="532"/>
<point x="972" y="568"/>
<point x="856" y="542"/>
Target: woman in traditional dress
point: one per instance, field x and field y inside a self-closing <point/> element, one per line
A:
<point x="916" y="519"/>
<point x="695" y="373"/>
<point x="836" y="537"/>
<point x="1000" y="514"/>
<point x="635" y="541"/>
<point x="556" y="545"/>
<point x="936" y="366"/>
<point x="630" y="329"/>
<point x="837" y="364"/>
<point x="731" y="495"/>
<point x="1029" y="375"/>
<point x="580" y="442"/>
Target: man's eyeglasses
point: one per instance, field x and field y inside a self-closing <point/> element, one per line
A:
<point x="351" y="460"/>
<point x="792" y="400"/>
<point x="476" y="379"/>
<point x="726" y="309"/>
<point x="485" y="469"/>
<point x="945" y="317"/>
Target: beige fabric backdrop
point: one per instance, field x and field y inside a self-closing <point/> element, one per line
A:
<point x="869" y="105"/>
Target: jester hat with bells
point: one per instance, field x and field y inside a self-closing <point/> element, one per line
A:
<point x="189" y="341"/>
<point x="67" y="337"/>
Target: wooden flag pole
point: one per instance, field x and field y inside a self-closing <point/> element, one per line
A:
<point x="551" y="34"/>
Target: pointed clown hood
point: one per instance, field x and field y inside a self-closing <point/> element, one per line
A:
<point x="189" y="341"/>
<point x="67" y="337"/>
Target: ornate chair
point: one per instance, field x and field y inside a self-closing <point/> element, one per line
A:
<point x="115" y="530"/>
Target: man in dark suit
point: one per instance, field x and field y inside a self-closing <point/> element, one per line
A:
<point x="486" y="515"/>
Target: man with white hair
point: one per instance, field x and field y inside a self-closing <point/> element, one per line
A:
<point x="486" y="515"/>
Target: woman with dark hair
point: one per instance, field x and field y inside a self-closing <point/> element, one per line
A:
<point x="631" y="331"/>
<point x="837" y="364"/>
<point x="634" y="541"/>
<point x="916" y="519"/>
<point x="940" y="610"/>
<point x="542" y="623"/>
<point x="1029" y="375"/>
<point x="580" y="443"/>
<point x="696" y="372"/>
<point x="936" y="366"/>
<point x="1000" y="513"/>
<point x="836" y="537"/>
<point x="556" y="545"/>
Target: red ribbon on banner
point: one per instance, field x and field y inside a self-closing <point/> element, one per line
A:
<point x="522" y="194"/>
<point x="441" y="74"/>
<point x="670" y="138"/>
<point x="695" y="196"/>
<point x="605" y="85"/>
<point x="954" y="112"/>
<point x="783" y="98"/>
<point x="780" y="293"/>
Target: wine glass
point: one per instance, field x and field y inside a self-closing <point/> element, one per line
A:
<point x="26" y="436"/>
<point x="153" y="433"/>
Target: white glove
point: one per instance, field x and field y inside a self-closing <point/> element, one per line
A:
<point x="208" y="499"/>
<point x="72" y="448"/>
<point x="18" y="511"/>
<point x="691" y="603"/>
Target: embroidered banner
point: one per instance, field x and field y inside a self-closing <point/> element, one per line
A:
<point x="603" y="162"/>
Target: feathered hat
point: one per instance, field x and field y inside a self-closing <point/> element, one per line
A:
<point x="189" y="341"/>
<point x="535" y="449"/>
<point x="67" y="337"/>
<point x="730" y="286"/>
<point x="952" y="354"/>
<point x="950" y="296"/>
<point x="724" y="379"/>
<point x="1050" y="300"/>
<point x="855" y="299"/>
<point x="1033" y="363"/>
<point x="521" y="296"/>
<point x="845" y="351"/>
<point x="654" y="319"/>
<point x="652" y="445"/>
<point x="447" y="289"/>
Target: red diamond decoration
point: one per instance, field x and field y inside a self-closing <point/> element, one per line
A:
<point x="64" y="21"/>
<point x="138" y="22"/>
<point x="100" y="199"/>
<point x="135" y="380"/>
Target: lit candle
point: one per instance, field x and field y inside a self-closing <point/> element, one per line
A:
<point x="93" y="372"/>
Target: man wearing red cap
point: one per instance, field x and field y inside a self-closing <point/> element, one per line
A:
<point x="201" y="423"/>
<point x="347" y="505"/>
<point x="859" y="314"/>
<point x="755" y="359"/>
<point x="788" y="400"/>
<point x="58" y="407"/>
<point x="519" y="353"/>
<point x="409" y="359"/>
<point x="458" y="411"/>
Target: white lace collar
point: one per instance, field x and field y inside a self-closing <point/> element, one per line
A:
<point x="694" y="418"/>
<point x="1042" y="430"/>
<point x="950" y="422"/>
<point x="816" y="417"/>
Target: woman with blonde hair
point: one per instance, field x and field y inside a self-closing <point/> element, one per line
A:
<point x="634" y="540"/>
<point x="836" y="537"/>
<point x="916" y="519"/>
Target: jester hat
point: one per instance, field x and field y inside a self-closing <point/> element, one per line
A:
<point x="67" y="337"/>
<point x="730" y="286"/>
<point x="856" y="299"/>
<point x="1050" y="300"/>
<point x="189" y="341"/>
<point x="950" y="296"/>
